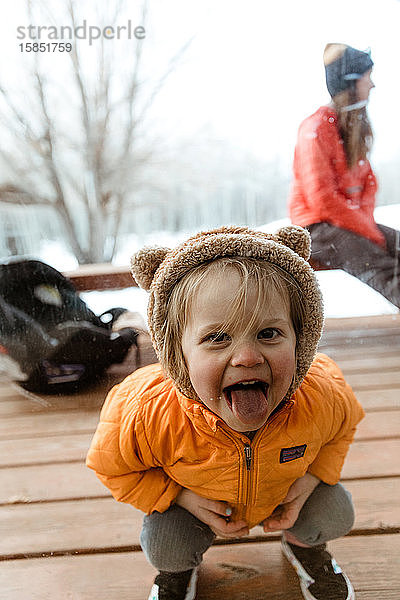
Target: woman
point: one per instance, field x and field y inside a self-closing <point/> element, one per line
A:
<point x="334" y="187"/>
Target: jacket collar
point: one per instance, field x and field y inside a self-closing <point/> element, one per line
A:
<point x="198" y="413"/>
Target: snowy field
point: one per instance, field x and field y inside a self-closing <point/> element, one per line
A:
<point x="344" y="296"/>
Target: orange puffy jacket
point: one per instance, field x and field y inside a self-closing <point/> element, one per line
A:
<point x="324" y="189"/>
<point x="152" y="440"/>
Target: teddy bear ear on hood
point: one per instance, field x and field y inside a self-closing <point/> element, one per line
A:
<point x="145" y="263"/>
<point x="296" y="238"/>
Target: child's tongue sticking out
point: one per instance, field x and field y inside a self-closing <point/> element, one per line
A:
<point x="249" y="403"/>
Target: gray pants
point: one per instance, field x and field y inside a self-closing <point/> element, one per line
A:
<point x="377" y="267"/>
<point x="176" y="540"/>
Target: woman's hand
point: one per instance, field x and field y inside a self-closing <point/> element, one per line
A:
<point x="285" y="515"/>
<point x="215" y="514"/>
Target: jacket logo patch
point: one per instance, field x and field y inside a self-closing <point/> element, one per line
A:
<point x="288" y="454"/>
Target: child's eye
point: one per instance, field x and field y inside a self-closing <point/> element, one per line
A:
<point x="269" y="333"/>
<point x="217" y="337"/>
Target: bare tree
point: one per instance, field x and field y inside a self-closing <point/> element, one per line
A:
<point x="78" y="143"/>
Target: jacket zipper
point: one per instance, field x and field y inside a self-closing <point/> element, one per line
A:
<point x="248" y="455"/>
<point x="244" y="474"/>
<point x="248" y="461"/>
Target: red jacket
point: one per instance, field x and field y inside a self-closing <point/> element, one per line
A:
<point x="152" y="441"/>
<point x="324" y="189"/>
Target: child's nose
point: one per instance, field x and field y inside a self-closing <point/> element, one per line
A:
<point x="246" y="355"/>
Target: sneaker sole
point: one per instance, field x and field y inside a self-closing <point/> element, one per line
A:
<point x="305" y="579"/>
<point x="192" y="587"/>
<point x="190" y="592"/>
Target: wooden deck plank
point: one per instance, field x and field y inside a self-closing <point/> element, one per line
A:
<point x="17" y="403"/>
<point x="366" y="323"/>
<point x="376" y="329"/>
<point x="61" y="447"/>
<point x="360" y="338"/>
<point x="374" y="381"/>
<point x="376" y="458"/>
<point x="354" y="349"/>
<point x="7" y="390"/>
<point x="58" y="526"/>
<point x="387" y="359"/>
<point x="44" y="450"/>
<point x="370" y="363"/>
<point x="49" y="482"/>
<point x="383" y="595"/>
<point x="340" y="354"/>
<point x="73" y="446"/>
<point x="358" y="346"/>
<point x="376" y="502"/>
<point x="71" y="511"/>
<point x="382" y="425"/>
<point x="250" y="572"/>
<point x="238" y="572"/>
<point x="375" y="400"/>
<point x="14" y="401"/>
<point x="16" y="406"/>
<point x="45" y="424"/>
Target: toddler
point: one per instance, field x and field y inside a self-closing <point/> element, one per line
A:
<point x="241" y="423"/>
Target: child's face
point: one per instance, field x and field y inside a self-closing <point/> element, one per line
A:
<point x="221" y="362"/>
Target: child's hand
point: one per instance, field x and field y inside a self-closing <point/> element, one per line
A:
<point x="213" y="513"/>
<point x="285" y="515"/>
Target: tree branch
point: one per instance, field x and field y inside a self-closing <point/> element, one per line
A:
<point x="42" y="153"/>
<point x="132" y="89"/>
<point x="11" y="194"/>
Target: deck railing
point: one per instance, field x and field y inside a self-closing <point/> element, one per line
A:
<point x="105" y="276"/>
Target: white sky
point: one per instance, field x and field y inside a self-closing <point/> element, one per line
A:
<point x="254" y="69"/>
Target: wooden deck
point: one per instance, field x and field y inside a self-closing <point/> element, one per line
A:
<point x="64" y="538"/>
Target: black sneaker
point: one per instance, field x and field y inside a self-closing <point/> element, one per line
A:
<point x="174" y="586"/>
<point x="320" y="576"/>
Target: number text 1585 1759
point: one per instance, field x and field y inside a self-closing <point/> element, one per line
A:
<point x="45" y="47"/>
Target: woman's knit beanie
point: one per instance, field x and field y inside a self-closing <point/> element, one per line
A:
<point x="158" y="270"/>
<point x="344" y="65"/>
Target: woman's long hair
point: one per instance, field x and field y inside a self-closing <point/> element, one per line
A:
<point x="354" y="126"/>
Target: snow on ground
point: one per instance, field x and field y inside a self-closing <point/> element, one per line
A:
<point x="344" y="296"/>
<point x="133" y="299"/>
<point x="388" y="215"/>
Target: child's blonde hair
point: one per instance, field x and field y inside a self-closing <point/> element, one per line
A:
<point x="280" y="259"/>
<point x="267" y="278"/>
